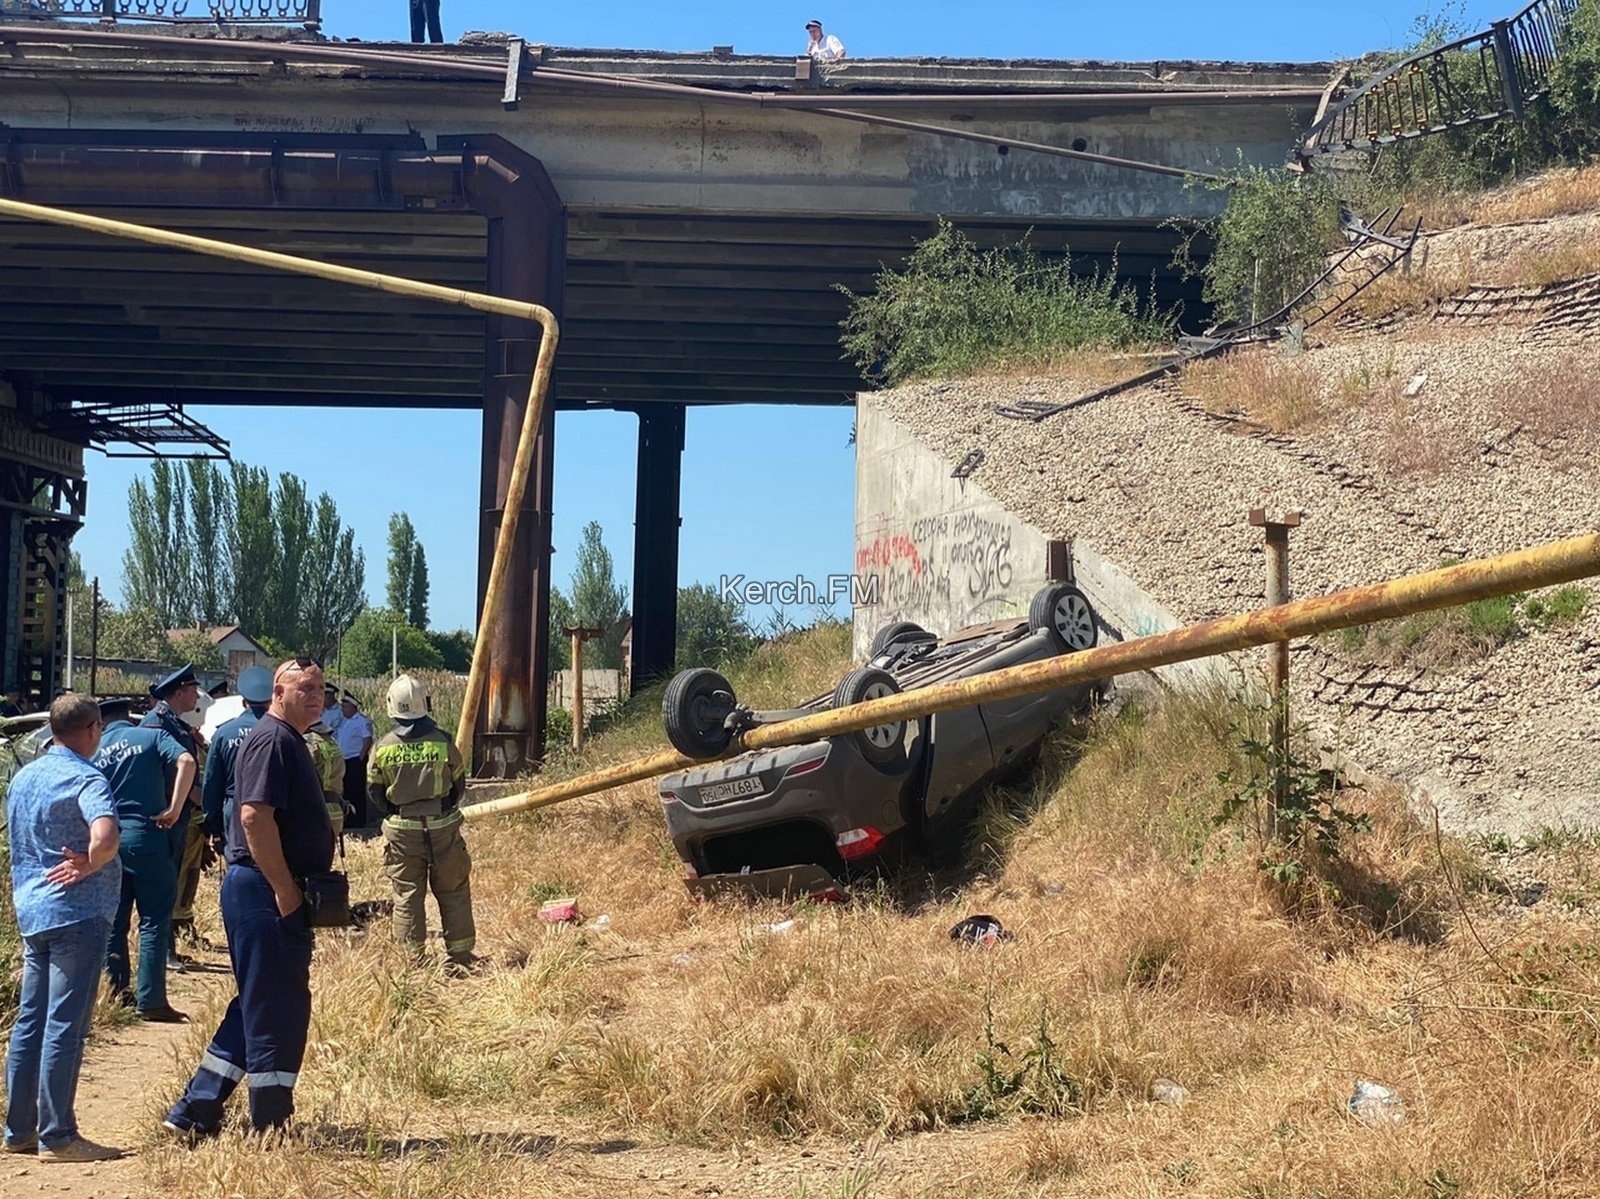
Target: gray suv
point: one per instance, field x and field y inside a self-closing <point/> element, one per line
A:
<point x="802" y="819"/>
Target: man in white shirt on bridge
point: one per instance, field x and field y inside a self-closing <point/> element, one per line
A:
<point x="824" y="49"/>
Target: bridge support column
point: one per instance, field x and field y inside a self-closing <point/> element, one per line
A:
<point x="526" y="261"/>
<point x="655" y="543"/>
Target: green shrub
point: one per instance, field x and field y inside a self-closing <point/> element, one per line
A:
<point x="1452" y="637"/>
<point x="1270" y="242"/>
<point x="955" y="309"/>
<point x="1561" y="608"/>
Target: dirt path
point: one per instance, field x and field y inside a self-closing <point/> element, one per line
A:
<point x="112" y="1107"/>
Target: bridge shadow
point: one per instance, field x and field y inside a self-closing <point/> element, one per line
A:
<point x="363" y="1142"/>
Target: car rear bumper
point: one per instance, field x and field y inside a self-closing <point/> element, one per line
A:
<point x="785" y="882"/>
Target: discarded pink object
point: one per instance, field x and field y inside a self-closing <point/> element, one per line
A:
<point x="558" y="911"/>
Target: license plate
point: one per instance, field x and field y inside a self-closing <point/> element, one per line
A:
<point x="733" y="789"/>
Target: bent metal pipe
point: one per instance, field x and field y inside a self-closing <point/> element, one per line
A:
<point x="538" y="387"/>
<point x="1542" y="566"/>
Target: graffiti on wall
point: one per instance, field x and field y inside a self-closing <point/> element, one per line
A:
<point x="955" y="563"/>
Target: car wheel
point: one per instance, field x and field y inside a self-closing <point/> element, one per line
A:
<point x="695" y="710"/>
<point x="1064" y="612"/>
<point x="900" y="630"/>
<point x="880" y="744"/>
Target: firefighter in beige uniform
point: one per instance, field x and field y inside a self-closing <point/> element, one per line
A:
<point x="329" y="760"/>
<point x="417" y="779"/>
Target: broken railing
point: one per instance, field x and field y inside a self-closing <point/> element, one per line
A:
<point x="1373" y="250"/>
<point x="307" y="13"/>
<point x="1524" y="570"/>
<point x="1485" y="77"/>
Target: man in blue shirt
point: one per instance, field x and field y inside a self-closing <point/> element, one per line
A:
<point x="64" y="884"/>
<point x="150" y="775"/>
<point x="255" y="688"/>
<point x="177" y="697"/>
<point x="278" y="834"/>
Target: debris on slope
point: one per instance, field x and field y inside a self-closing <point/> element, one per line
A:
<point x="1479" y="461"/>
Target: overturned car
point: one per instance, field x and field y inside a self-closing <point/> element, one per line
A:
<point x="803" y="819"/>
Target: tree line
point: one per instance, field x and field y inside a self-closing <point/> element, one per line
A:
<point x="211" y="546"/>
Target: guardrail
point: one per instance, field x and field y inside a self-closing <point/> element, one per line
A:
<point x="1541" y="566"/>
<point x="307" y="13"/>
<point x="1483" y="77"/>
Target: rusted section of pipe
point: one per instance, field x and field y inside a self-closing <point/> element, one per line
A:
<point x="538" y="388"/>
<point x="1542" y="566"/>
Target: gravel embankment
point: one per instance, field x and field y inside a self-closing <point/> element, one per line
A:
<point x="1388" y="484"/>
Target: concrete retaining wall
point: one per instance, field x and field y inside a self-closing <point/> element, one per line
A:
<point x="940" y="551"/>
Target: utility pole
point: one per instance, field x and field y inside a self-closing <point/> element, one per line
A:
<point x="66" y="673"/>
<point x="1277" y="529"/>
<point x="94" y="639"/>
<point x="394" y="652"/>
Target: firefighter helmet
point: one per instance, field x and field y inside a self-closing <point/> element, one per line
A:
<point x="408" y="699"/>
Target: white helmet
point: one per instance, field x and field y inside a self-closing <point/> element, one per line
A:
<point x="408" y="699"/>
<point x="195" y="718"/>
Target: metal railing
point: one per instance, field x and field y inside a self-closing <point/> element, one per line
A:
<point x="171" y="12"/>
<point x="1484" y="77"/>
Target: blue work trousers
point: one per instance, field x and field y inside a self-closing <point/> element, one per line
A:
<point x="60" y="977"/>
<point x="262" y="1037"/>
<point x="149" y="880"/>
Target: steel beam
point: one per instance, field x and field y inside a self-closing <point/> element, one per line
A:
<point x="657" y="522"/>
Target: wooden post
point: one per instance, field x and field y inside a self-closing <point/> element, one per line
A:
<point x="579" y="635"/>
<point x="577" y="688"/>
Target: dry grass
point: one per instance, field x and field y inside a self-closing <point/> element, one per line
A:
<point x="1555" y="405"/>
<point x="1261" y="385"/>
<point x="1553" y="193"/>
<point x="1286" y="394"/>
<point x="1574" y="260"/>
<point x="1402" y="291"/>
<point x="1556" y="192"/>
<point x="1147" y="944"/>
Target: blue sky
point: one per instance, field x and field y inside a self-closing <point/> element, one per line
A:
<point x="768" y="492"/>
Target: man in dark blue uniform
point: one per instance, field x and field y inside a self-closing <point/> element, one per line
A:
<point x="255" y="688"/>
<point x="278" y="833"/>
<point x="176" y="696"/>
<point x="150" y="774"/>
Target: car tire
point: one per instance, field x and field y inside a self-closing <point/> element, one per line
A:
<point x="900" y="630"/>
<point x="882" y="743"/>
<point x="1066" y="615"/>
<point x="689" y="713"/>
